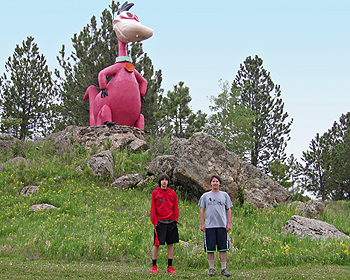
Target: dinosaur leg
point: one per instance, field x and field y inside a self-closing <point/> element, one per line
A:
<point x="104" y="115"/>
<point x="140" y="123"/>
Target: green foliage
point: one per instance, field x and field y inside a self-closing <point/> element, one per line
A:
<point x="159" y="145"/>
<point x="94" y="222"/>
<point x="231" y="122"/>
<point x="27" y="93"/>
<point x="280" y="173"/>
<point x="240" y="197"/>
<point x="176" y="116"/>
<point x="326" y="169"/>
<point x="95" y="48"/>
<point x="270" y="131"/>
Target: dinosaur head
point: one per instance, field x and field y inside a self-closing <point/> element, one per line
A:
<point x="127" y="26"/>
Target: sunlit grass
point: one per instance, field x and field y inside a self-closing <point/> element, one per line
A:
<point x="94" y="222"/>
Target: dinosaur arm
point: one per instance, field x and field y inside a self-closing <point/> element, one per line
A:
<point x="142" y="81"/>
<point x="109" y="71"/>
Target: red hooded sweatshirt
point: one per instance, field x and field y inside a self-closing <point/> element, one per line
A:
<point x="164" y="205"/>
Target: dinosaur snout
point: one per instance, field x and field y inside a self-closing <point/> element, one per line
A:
<point x="130" y="30"/>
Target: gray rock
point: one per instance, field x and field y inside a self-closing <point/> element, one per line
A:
<point x="313" y="208"/>
<point x="13" y="161"/>
<point x="102" y="164"/>
<point x="138" y="145"/>
<point x="28" y="190"/>
<point x="127" y="181"/>
<point x="193" y="161"/>
<point x="315" y="229"/>
<point x="101" y="137"/>
<point x="310" y="209"/>
<point x="40" y="207"/>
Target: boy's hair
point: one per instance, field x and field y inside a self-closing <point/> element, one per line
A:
<point x="215" y="176"/>
<point x="163" y="176"/>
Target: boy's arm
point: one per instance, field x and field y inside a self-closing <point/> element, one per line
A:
<point x="201" y="216"/>
<point x="229" y="213"/>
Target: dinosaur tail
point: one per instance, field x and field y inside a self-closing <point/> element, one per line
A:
<point x="90" y="94"/>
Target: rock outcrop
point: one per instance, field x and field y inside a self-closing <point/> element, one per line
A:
<point x="193" y="161"/>
<point x="101" y="137"/>
<point x="315" y="229"/>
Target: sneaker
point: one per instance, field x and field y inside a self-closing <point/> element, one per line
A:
<point x="211" y="272"/>
<point x="225" y="272"/>
<point x="171" y="270"/>
<point x="154" y="269"/>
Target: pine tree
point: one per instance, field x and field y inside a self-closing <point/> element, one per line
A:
<point x="317" y="166"/>
<point x="176" y="116"/>
<point x="270" y="127"/>
<point x="340" y="159"/>
<point x="27" y="93"/>
<point x="95" y="48"/>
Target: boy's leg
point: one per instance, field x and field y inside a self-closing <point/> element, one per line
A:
<point x="170" y="251"/>
<point x="155" y="251"/>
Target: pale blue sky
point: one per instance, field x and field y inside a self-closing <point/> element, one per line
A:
<point x="305" y="46"/>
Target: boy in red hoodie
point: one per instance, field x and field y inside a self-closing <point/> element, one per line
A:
<point x="164" y="217"/>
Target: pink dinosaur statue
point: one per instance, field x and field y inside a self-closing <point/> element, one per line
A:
<point x="120" y="99"/>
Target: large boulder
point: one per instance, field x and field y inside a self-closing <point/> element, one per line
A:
<point x="193" y="161"/>
<point x="315" y="229"/>
<point x="102" y="164"/>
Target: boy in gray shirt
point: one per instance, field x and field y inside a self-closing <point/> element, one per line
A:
<point x="216" y="207"/>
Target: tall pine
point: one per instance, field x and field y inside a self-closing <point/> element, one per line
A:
<point x="27" y="93"/>
<point x="270" y="129"/>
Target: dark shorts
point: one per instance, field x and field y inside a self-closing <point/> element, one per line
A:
<point x="216" y="238"/>
<point x="166" y="233"/>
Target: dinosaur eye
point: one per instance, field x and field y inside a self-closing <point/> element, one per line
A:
<point x="128" y="15"/>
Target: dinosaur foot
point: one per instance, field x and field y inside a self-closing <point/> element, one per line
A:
<point x="110" y="124"/>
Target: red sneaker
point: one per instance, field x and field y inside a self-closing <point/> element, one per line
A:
<point x="154" y="269"/>
<point x="171" y="270"/>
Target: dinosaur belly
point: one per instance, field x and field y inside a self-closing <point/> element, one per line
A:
<point x="123" y="99"/>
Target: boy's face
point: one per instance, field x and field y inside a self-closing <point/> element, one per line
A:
<point x="215" y="183"/>
<point x="164" y="183"/>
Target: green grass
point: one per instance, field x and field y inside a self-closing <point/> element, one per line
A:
<point x="100" y="232"/>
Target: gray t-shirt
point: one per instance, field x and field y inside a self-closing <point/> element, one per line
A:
<point x="216" y="205"/>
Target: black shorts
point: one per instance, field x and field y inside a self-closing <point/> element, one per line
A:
<point x="166" y="233"/>
<point x="216" y="238"/>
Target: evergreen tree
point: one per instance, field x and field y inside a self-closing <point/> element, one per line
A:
<point x="27" y="93"/>
<point x="96" y="48"/>
<point x="340" y="159"/>
<point x="271" y="130"/>
<point x="231" y="122"/>
<point x="317" y="166"/>
<point x="327" y="169"/>
<point x="176" y="116"/>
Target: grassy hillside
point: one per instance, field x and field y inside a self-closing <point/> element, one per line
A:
<point x="95" y="223"/>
